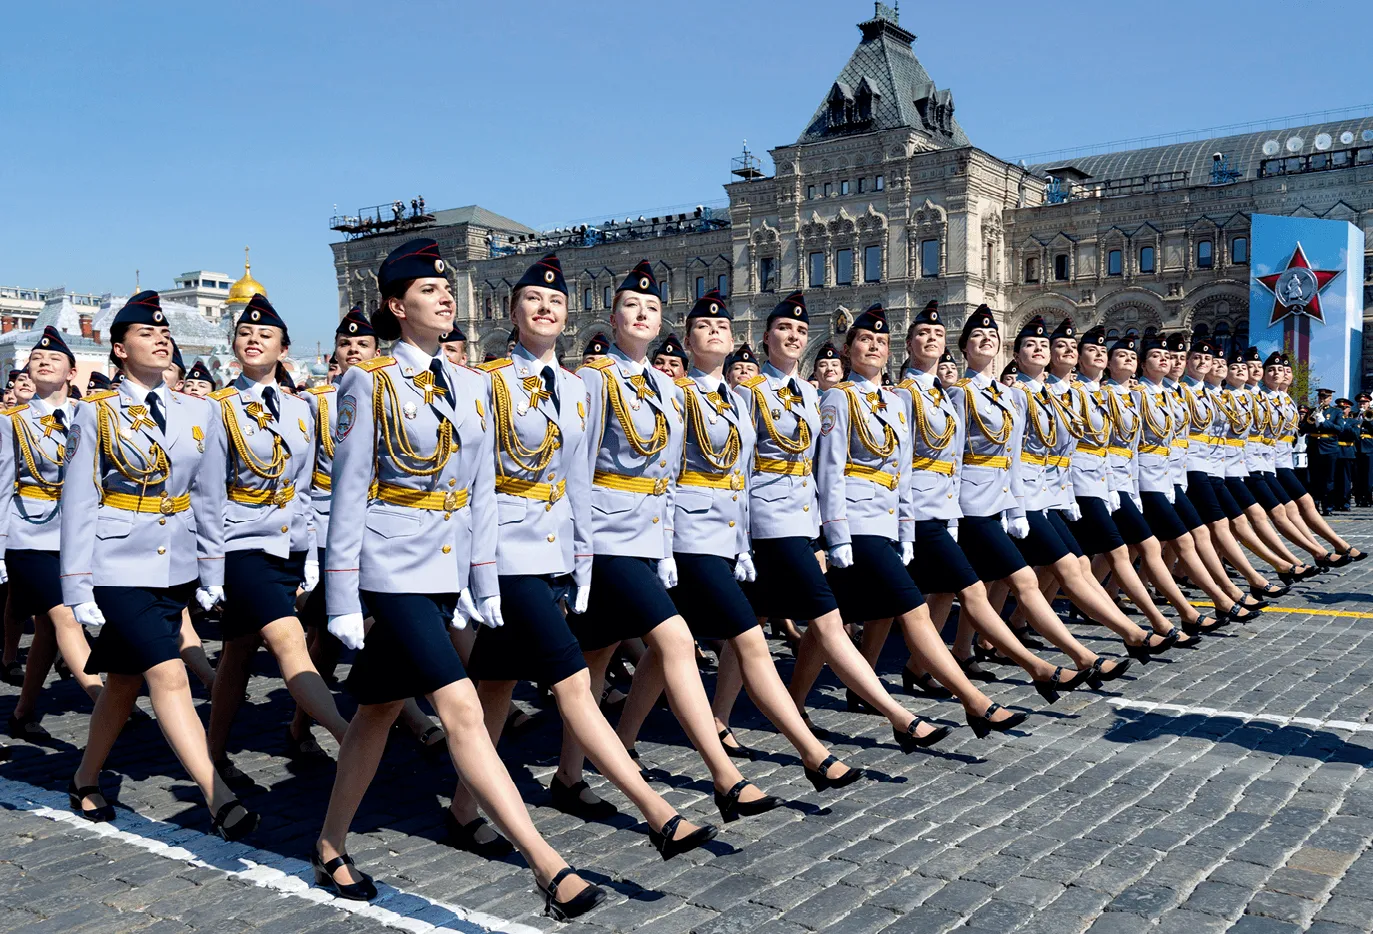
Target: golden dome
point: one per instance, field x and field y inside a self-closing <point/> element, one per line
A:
<point x="242" y="291"/>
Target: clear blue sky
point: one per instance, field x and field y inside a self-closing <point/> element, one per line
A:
<point x="165" y="137"/>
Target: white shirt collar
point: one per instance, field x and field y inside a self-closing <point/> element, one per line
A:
<point x="633" y="367"/>
<point x="922" y="379"/>
<point x="523" y="353"/>
<point x="1033" y="384"/>
<point x="707" y="381"/>
<point x="408" y="355"/>
<point x="250" y="388"/>
<point x="980" y="380"/>
<point x="139" y="393"/>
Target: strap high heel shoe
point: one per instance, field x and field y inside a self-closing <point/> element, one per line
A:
<point x="923" y="685"/>
<point x="1204" y="628"/>
<point x="568" y="799"/>
<point x="738" y="750"/>
<point x="856" y="704"/>
<point x="361" y="891"/>
<point x="910" y="742"/>
<point x="1050" y="690"/>
<point x="974" y="673"/>
<point x="985" y="724"/>
<point x="1097" y="674"/>
<point x="100" y="815"/>
<point x="1332" y="560"/>
<point x="244" y="826"/>
<point x="464" y="837"/>
<point x="1142" y="653"/>
<point x="668" y="846"/>
<point x="585" y="900"/>
<point x="731" y="808"/>
<point x="821" y="780"/>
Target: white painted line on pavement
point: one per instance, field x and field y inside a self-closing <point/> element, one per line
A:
<point x="394" y="908"/>
<point x="1182" y="710"/>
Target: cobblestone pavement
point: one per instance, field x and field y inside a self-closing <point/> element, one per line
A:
<point x="1223" y="789"/>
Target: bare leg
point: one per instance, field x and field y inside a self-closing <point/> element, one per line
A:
<point x="1045" y="621"/>
<point x="1310" y="515"/>
<point x="14" y="631"/>
<point x="1229" y="548"/>
<point x="1089" y="595"/>
<point x="729" y="680"/>
<point x="42" y="651"/>
<point x="934" y="656"/>
<point x="1189" y="560"/>
<point x="1215" y="570"/>
<point x="358" y="757"/>
<point x="1245" y="533"/>
<point x="107" y="720"/>
<point x="1151" y="561"/>
<point x="231" y="679"/>
<point x="192" y="653"/>
<point x="1258" y="519"/>
<point x="978" y="613"/>
<point x="286" y="641"/>
<point x="1296" y="531"/>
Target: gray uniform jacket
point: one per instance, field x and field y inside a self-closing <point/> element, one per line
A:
<point x="712" y="500"/>
<point x="543" y="472"/>
<point x="33" y="445"/>
<point x="265" y="465"/>
<point x="1125" y="428"/>
<point x="138" y="503"/>
<point x="1233" y="420"/>
<point x="1154" y="449"/>
<point x="429" y="524"/>
<point x="1092" y="475"/>
<point x="1203" y="449"/>
<point x="633" y="480"/>
<point x="1040" y="475"/>
<point x="936" y="449"/>
<point x="1177" y="457"/>
<point x="785" y="413"/>
<point x="865" y="444"/>
<point x="989" y="482"/>
<point x="323" y="403"/>
<point x="1283" y="454"/>
<point x="1259" y="454"/>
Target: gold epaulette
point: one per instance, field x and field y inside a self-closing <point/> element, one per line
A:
<point x="376" y="363"/>
<point x="907" y="384"/>
<point x="684" y="381"/>
<point x="964" y="382"/>
<point x="598" y="364"/>
<point x="492" y="366"/>
<point x="15" y="409"/>
<point x="228" y="392"/>
<point x="321" y="390"/>
<point x="846" y="384"/>
<point x="100" y="394"/>
<point x="754" y="381"/>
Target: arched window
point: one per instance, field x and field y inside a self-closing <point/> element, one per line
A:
<point x="1132" y="332"/>
<point x="1201" y="330"/>
<point x="1150" y="331"/>
<point x="1032" y="269"/>
<point x="1112" y="333"/>
<point x="1205" y="255"/>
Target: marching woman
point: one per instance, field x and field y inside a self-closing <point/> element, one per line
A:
<point x="711" y="509"/>
<point x="634" y="453"/>
<point x="262" y="462"/>
<point x="543" y="483"/>
<point x="414" y="466"/>
<point x="992" y="497"/>
<point x="865" y="507"/>
<point x="33" y="445"/>
<point x="140" y="523"/>
<point x="942" y="569"/>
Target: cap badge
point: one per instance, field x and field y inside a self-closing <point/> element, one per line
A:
<point x="439" y="265"/>
<point x="934" y="316"/>
<point x="643" y="282"/>
<point x="256" y="315"/>
<point x="157" y="316"/>
<point x="877" y="325"/>
<point x="352" y="327"/>
<point x="548" y="275"/>
<point x="714" y="307"/>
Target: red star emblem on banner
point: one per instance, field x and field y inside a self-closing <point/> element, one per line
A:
<point x="1312" y="306"/>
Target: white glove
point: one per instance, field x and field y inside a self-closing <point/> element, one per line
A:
<point x="88" y="614"/>
<point x="4" y="572"/>
<point x="1074" y="512"/>
<point x="347" y="629"/>
<point x="1139" y="503"/>
<point x="953" y="530"/>
<point x="491" y="612"/>
<point x="1172" y="495"/>
<point x="1020" y="527"/>
<point x="1112" y="500"/>
<point x="841" y="556"/>
<point x="744" y="569"/>
<point x="466" y="610"/>
<point x="1005" y="526"/>
<point x="667" y="572"/>
<point x="1318" y="418"/>
<point x="580" y="598"/>
<point x="207" y="597"/>
<point x="907" y="552"/>
<point x="311" y="573"/>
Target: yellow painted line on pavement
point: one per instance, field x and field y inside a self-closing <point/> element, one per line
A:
<point x="1314" y="611"/>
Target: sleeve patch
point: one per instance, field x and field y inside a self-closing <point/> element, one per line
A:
<point x="828" y="414"/>
<point x="73" y="439"/>
<point x="347" y="416"/>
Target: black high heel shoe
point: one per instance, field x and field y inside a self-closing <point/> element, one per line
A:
<point x="27" y="728"/>
<point x="731" y="808"/>
<point x="361" y="891"/>
<point x="985" y="724"/>
<point x="923" y="685"/>
<point x="1142" y="653"/>
<point x="1200" y="628"/>
<point x="1351" y="556"/>
<point x="245" y="825"/>
<point x="100" y="815"/>
<point x="1309" y="571"/>
<point x="1098" y="675"/>
<point x="568" y="799"/>
<point x="991" y="656"/>
<point x="821" y="780"/>
<point x="585" y="900"/>
<point x="668" y="846"/>
<point x="464" y="837"/>
<point x="856" y="704"/>
<point x="1288" y="578"/>
<point x="1050" y="690"/>
<point x="738" y="750"/>
<point x="910" y="742"/>
<point x="1028" y="639"/>
<point x="974" y="674"/>
<point x="1327" y="562"/>
<point x="1242" y="614"/>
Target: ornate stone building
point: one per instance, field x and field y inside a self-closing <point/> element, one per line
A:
<point x="884" y="198"/>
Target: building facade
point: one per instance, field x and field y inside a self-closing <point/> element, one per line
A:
<point x="884" y="198"/>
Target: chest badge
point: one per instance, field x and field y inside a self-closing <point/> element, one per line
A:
<point x="198" y="434"/>
<point x="409" y="410"/>
<point x="258" y="413"/>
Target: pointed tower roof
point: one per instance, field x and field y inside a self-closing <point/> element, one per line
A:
<point x="884" y="86"/>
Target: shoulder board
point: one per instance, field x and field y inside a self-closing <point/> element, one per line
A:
<point x="964" y="382"/>
<point x="376" y="363"/>
<point x="219" y="395"/>
<point x="908" y="383"/>
<point x="754" y="381"/>
<point x="846" y="384"/>
<point x="321" y="390"/>
<point x="492" y="366"/>
<point x="100" y="394"/>
<point x="15" y="409"/>
<point x="598" y="364"/>
<point x="684" y="381"/>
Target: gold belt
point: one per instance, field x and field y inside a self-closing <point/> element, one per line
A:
<point x="434" y="501"/>
<point x="648" y="486"/>
<point x="322" y="481"/>
<point x="1346" y="444"/>
<point x="1062" y="461"/>
<point x="934" y="465"/>
<point x="888" y="480"/>
<point x="1039" y="460"/>
<point x="1230" y="442"/>
<point x="544" y="492"/>
<point x="1265" y="441"/>
<point x="278" y="498"/>
<point x="999" y="461"/>
<point x="33" y="491"/>
<point x="1119" y="451"/>
<point x="1162" y="450"/>
<point x="1098" y="450"/>
<point x="1201" y="437"/>
<point x="1181" y="443"/>
<point x="715" y="481"/>
<point x="799" y="468"/>
<point x="165" y="505"/>
<point x="1288" y="439"/>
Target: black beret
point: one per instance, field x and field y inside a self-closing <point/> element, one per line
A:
<point x="928" y="315"/>
<point x="1065" y="330"/>
<point x="641" y="280"/>
<point x="177" y="360"/>
<point x="1251" y="355"/>
<point x="1152" y="342"/>
<point x="52" y="340"/>
<point x="201" y="372"/>
<point x="827" y="352"/>
<point x="597" y="345"/>
<point x="947" y="357"/>
<point x="793" y="308"/>
<point x="1126" y="342"/>
<point x="1274" y="359"/>
<point x="1010" y="370"/>
<point x="1202" y="345"/>
<point x="710" y="305"/>
<point x="743" y="355"/>
<point x="98" y="380"/>
<point x="355" y="324"/>
<point x="547" y="273"/>
<point x="1236" y="354"/>
<point x="1096" y="335"/>
<point x="261" y="313"/>
<point x="671" y="347"/>
<point x="414" y="259"/>
<point x="456" y="334"/>
<point x="1175" y="342"/>
<point x="143" y="308"/>
<point x="873" y="318"/>
<point x="981" y="318"/>
<point x="1035" y="327"/>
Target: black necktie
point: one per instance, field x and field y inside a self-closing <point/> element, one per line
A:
<point x="938" y="383"/>
<point x="60" y="416"/>
<point x="440" y="382"/>
<point x="270" y="397"/>
<point x="795" y="388"/>
<point x="550" y="383"/>
<point x="155" y="407"/>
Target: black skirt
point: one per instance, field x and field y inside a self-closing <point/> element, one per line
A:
<point x="990" y="550"/>
<point x="1201" y="493"/>
<point x="876" y="586"/>
<point x="1162" y="518"/>
<point x="37" y="577"/>
<point x="536" y="643"/>
<point x="259" y="589"/>
<point x="1182" y="505"/>
<point x="940" y="566"/>
<point x="627" y="602"/>
<point x="1096" y="530"/>
<point x="1291" y="483"/>
<point x="407" y="652"/>
<point x="1060" y="525"/>
<point x="710" y="599"/>
<point x="1239" y="489"/>
<point x="1228" y="504"/>
<point x="1042" y="547"/>
<point x="790" y="584"/>
<point x="142" y="628"/>
<point x="1131" y="522"/>
<point x="1267" y="490"/>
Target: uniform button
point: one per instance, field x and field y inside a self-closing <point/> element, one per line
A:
<point x="452" y="482"/>
<point x="548" y="508"/>
<point x="285" y="528"/>
<point x="161" y="550"/>
<point x="891" y="512"/>
<point x="731" y="523"/>
<point x="950" y="496"/>
<point x="735" y="497"/>
<point x="804" y="483"/>
<point x="447" y="549"/>
<point x="552" y="475"/>
<point x="447" y="516"/>
<point x="552" y="537"/>
<point x="1005" y="489"/>
<point x="805" y="509"/>
<point x="662" y="463"/>
<point x="655" y="518"/>
<point x="161" y="521"/>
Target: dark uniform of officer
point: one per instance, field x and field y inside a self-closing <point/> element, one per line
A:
<point x="1322" y="428"/>
<point x="1347" y="442"/>
<point x="1363" y="453"/>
